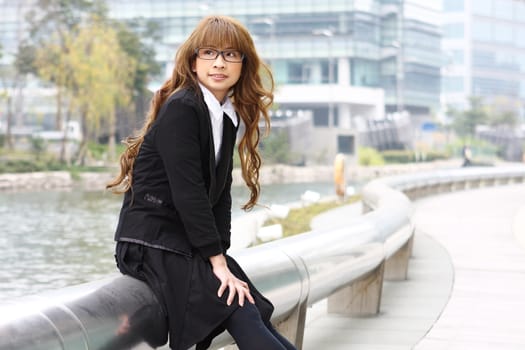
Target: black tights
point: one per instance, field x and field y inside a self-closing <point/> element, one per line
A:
<point x="251" y="333"/>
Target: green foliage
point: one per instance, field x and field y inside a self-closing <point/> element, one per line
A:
<point x="275" y="148"/>
<point x="98" y="65"/>
<point x="135" y="46"/>
<point x="481" y="149"/>
<point x="38" y="146"/>
<point x="26" y="163"/>
<point x="99" y="151"/>
<point x="398" y="156"/>
<point x="465" y="122"/>
<point x="436" y="155"/>
<point x="298" y="219"/>
<point x="369" y="156"/>
<point x="29" y="165"/>
<point x="25" y="58"/>
<point x="504" y="118"/>
<point x="409" y="156"/>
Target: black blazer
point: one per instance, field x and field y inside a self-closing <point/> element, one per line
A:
<point x="179" y="200"/>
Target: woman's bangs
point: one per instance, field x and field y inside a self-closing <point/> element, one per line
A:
<point x="220" y="34"/>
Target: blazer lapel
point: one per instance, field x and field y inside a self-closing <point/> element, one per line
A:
<point x="211" y="159"/>
<point x="228" y="142"/>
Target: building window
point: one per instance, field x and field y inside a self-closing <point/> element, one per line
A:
<point x="453" y="5"/>
<point x="456" y="57"/>
<point x="519" y="11"/>
<point x="504" y="9"/>
<point x="311" y="72"/>
<point x="502" y="33"/>
<point x="520" y="60"/>
<point x="489" y="86"/>
<point x="483" y="7"/>
<point x="483" y="59"/>
<point x="481" y="31"/>
<point x="452" y="84"/>
<point x="365" y="72"/>
<point x="320" y="116"/>
<point x="453" y="30"/>
<point x="346" y="144"/>
<point x="520" y="37"/>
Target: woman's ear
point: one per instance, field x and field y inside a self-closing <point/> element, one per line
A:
<point x="193" y="68"/>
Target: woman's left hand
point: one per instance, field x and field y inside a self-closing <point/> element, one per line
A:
<point x="228" y="280"/>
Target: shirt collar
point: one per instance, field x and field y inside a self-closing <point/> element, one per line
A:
<point x="216" y="109"/>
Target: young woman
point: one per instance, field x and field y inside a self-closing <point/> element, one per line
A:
<point x="174" y="225"/>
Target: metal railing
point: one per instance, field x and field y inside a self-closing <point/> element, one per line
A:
<point x="346" y="264"/>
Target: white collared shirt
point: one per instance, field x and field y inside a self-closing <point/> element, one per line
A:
<point x="216" y="116"/>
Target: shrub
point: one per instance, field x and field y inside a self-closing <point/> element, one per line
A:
<point x="370" y="156"/>
<point x="398" y="156"/>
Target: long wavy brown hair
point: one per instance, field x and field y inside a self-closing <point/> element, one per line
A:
<point x="252" y="96"/>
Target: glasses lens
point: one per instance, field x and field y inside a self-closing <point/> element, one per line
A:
<point x="207" y="53"/>
<point x="232" y="55"/>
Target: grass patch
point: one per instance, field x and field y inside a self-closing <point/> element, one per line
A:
<point x="298" y="220"/>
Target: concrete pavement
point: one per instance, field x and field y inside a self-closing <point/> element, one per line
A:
<point x="478" y="228"/>
<point x="466" y="286"/>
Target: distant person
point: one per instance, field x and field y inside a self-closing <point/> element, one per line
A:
<point x="174" y="226"/>
<point x="467" y="156"/>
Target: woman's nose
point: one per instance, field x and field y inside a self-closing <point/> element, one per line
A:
<point x="219" y="61"/>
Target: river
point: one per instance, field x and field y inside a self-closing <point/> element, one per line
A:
<point x="52" y="239"/>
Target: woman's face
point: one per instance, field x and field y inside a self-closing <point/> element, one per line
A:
<point x="218" y="69"/>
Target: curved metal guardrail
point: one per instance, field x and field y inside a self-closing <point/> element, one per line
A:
<point x="346" y="265"/>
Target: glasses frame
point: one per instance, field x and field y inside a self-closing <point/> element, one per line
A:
<point x="219" y="52"/>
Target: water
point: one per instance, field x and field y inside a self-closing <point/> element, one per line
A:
<point x="53" y="239"/>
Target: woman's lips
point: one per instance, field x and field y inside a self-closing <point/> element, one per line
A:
<point x="218" y="76"/>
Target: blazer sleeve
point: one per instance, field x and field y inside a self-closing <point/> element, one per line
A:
<point x="178" y="143"/>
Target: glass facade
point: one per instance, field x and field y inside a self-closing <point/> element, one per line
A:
<point x="453" y="5"/>
<point x="13" y="27"/>
<point x="389" y="44"/>
<point x="306" y="41"/>
<point x="496" y="50"/>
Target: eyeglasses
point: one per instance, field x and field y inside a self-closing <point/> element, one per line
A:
<point x="206" y="53"/>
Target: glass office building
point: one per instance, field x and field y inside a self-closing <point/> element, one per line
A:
<point x="484" y="46"/>
<point x="389" y="44"/>
<point x="336" y="60"/>
<point x="340" y="61"/>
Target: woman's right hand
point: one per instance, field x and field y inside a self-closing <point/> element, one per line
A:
<point x="228" y="280"/>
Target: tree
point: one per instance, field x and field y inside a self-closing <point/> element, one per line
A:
<point x="503" y="112"/>
<point x="9" y="80"/>
<point x="54" y="29"/>
<point x="135" y="45"/>
<point x="137" y="39"/>
<point x="465" y="122"/>
<point x="102" y="80"/>
<point x="53" y="22"/>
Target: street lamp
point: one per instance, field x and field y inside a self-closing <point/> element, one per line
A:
<point x="328" y="33"/>
<point x="399" y="76"/>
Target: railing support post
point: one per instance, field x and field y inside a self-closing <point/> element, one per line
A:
<point x="292" y="328"/>
<point x="396" y="267"/>
<point x="362" y="297"/>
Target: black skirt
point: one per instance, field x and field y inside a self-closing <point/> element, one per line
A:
<point x="187" y="289"/>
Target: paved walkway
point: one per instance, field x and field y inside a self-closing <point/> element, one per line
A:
<point x="466" y="286"/>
